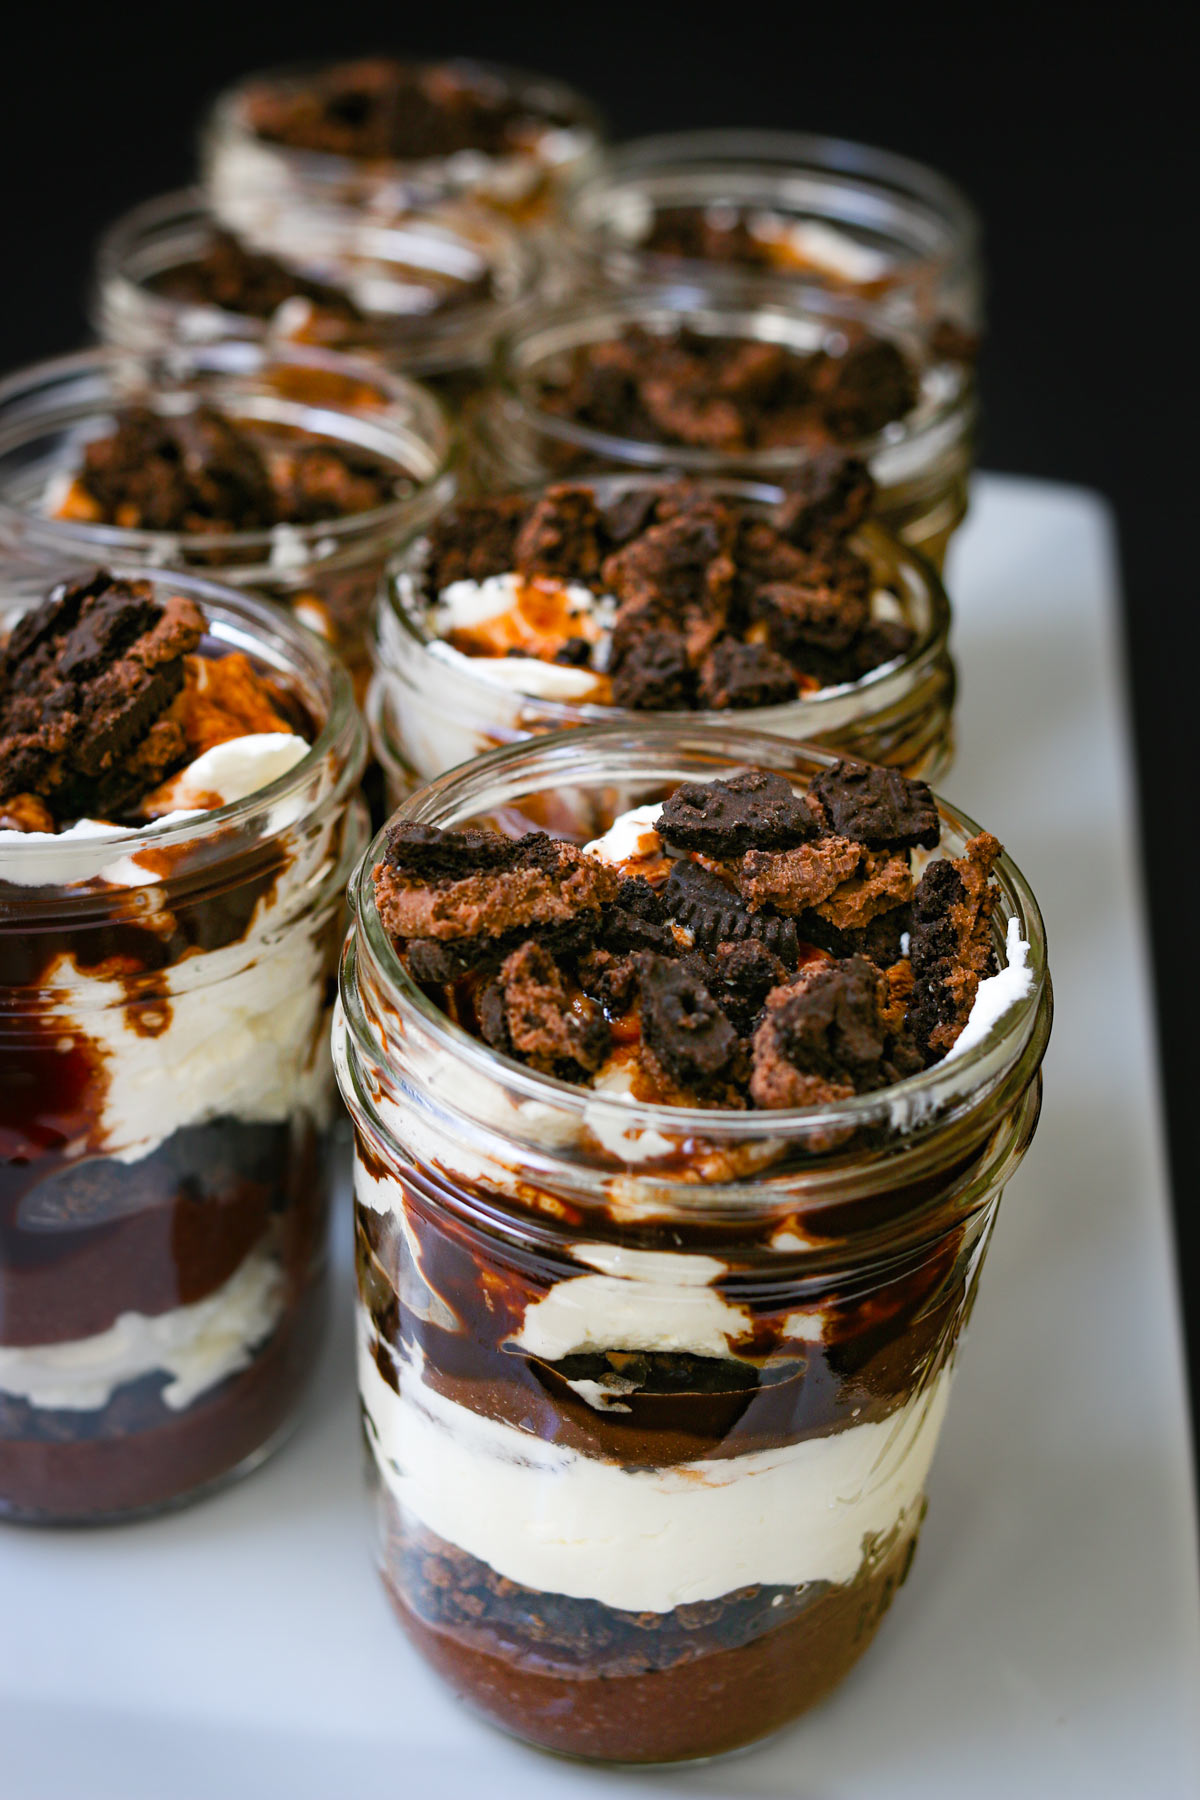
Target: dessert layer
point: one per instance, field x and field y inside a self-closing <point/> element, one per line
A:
<point x="197" y="1346"/>
<point x="645" y="1539"/>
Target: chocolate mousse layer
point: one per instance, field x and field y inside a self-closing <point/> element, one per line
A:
<point x="590" y="1681"/>
<point x="158" y="1292"/>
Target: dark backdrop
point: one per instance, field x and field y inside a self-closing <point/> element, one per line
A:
<point x="1070" y="125"/>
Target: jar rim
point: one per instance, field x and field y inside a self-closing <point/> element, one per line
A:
<point x="778" y="153"/>
<point x="908" y="1108"/>
<point x="238" y="619"/>
<point x="876" y="685"/>
<point x="227" y="113"/>
<point x="711" y="307"/>
<point x="184" y="207"/>
<point x="236" y="359"/>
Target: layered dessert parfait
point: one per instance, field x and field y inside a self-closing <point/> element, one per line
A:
<point x="528" y="612"/>
<point x="377" y="134"/>
<point x="788" y="209"/>
<point x="288" y="470"/>
<point x="678" y="1152"/>
<point x="177" y="770"/>
<point x="426" y="294"/>
<point x="708" y="382"/>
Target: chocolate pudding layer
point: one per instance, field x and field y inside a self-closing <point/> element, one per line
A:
<point x="166" y="941"/>
<point x="677" y="1157"/>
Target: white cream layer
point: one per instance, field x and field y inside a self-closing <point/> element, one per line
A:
<point x="244" y="1036"/>
<point x="197" y="1345"/>
<point x="647" y="1540"/>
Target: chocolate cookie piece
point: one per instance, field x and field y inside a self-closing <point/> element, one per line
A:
<point x="439" y="962"/>
<point x="724" y="819"/>
<point x="736" y="675"/>
<point x="816" y="627"/>
<point x="863" y="390"/>
<point x="639" y="920"/>
<point x="681" y="1022"/>
<point x="881" y="641"/>
<point x="880" y="940"/>
<point x="951" y="946"/>
<point x="830" y="496"/>
<point x="878" y="807"/>
<point x="741" y="976"/>
<point x="466" y="884"/>
<point x="824" y="1037"/>
<point x="473" y="540"/>
<point x="331" y="481"/>
<point x="87" y="682"/>
<point x="677" y="575"/>
<point x="562" y="536"/>
<point x="716" y="914"/>
<point x="530" y="1013"/>
<point x="231" y="276"/>
<point x="651" y="673"/>
<point x="198" y="472"/>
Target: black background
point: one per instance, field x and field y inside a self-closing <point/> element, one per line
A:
<point x="1071" y="126"/>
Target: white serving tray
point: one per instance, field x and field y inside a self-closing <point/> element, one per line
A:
<point x="1048" y="1640"/>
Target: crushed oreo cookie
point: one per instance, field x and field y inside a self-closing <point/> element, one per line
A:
<point x="768" y="958"/>
<point x="701" y="601"/>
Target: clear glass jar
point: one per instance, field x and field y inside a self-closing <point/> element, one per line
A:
<point x="166" y="1106"/>
<point x="651" y="1393"/>
<point x="829" y="213"/>
<point x="921" y="463"/>
<point x="446" y="251"/>
<point x="430" y="711"/>
<point x="261" y="189"/>
<point x="326" y="573"/>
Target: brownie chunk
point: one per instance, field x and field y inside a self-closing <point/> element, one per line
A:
<point x="466" y="884"/>
<point x="754" y="811"/>
<point x="825" y="1037"/>
<point x="951" y="947"/>
<point x="800" y="877"/>
<point x="562" y="536"/>
<point x="678" y="575"/>
<point x="716" y="914"/>
<point x="735" y="675"/>
<point x="652" y="673"/>
<point x="331" y="481"/>
<point x="681" y="1022"/>
<point x="229" y="275"/>
<point x="194" y="473"/>
<point x="473" y="540"/>
<point x="87" y="685"/>
<point x="879" y="807"/>
<point x="530" y="1013"/>
<point x="829" y="497"/>
<point x="381" y="107"/>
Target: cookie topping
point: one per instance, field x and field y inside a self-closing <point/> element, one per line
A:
<point x="733" y="394"/>
<point x="380" y="107"/>
<point x="744" y="953"/>
<point x="231" y="276"/>
<point x="879" y="807"/>
<point x="671" y="597"/>
<point x="105" y="696"/>
<point x="201" y="472"/>
<point x="755" y="811"/>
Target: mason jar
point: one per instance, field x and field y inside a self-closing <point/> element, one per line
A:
<point x="326" y="573"/>
<point x="431" y="708"/>
<point x="921" y="463"/>
<point x="651" y="1394"/>
<point x="166" y="1104"/>
<point x="429" y="292"/>
<point x="784" y="207"/>
<point x="260" y="187"/>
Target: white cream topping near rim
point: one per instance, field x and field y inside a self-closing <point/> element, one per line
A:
<point x="647" y="1540"/>
<point x="197" y="1345"/>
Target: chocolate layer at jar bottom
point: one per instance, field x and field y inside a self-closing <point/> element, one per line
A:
<point x="577" y="1677"/>
<point x="138" y="1455"/>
